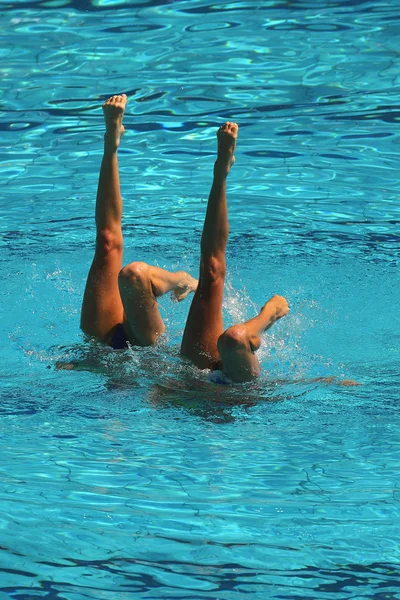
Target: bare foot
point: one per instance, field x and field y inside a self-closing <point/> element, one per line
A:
<point x="186" y="285"/>
<point x="227" y="136"/>
<point x="277" y="307"/>
<point x="281" y="305"/>
<point x="113" y="109"/>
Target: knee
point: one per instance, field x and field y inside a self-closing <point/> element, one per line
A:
<point x="136" y="275"/>
<point x="232" y="339"/>
<point x="109" y="241"/>
<point x="214" y="268"/>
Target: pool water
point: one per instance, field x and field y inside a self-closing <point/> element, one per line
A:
<point x="132" y="476"/>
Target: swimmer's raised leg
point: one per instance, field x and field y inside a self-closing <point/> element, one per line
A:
<point x="114" y="295"/>
<point x="102" y="307"/>
<point x="204" y="340"/>
<point x="238" y="344"/>
<point x="204" y="324"/>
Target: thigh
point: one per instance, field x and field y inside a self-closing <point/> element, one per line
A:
<point x="102" y="307"/>
<point x="142" y="320"/>
<point x="239" y="361"/>
<point x="204" y="324"/>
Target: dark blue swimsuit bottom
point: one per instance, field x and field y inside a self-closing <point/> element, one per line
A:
<point x="118" y="340"/>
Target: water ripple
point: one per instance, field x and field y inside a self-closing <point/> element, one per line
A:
<point x="121" y="477"/>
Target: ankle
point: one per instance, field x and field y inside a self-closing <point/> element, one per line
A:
<point x="221" y="169"/>
<point x="110" y="145"/>
<point x="180" y="277"/>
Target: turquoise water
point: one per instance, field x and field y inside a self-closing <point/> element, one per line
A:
<point x="132" y="476"/>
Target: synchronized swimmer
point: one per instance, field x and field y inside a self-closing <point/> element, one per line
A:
<point x="120" y="303"/>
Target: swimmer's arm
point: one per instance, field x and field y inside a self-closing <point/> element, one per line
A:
<point x="328" y="381"/>
<point x="84" y="364"/>
<point x="336" y="381"/>
<point x="87" y="360"/>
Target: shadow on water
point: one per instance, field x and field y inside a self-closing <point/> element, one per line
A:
<point x="168" y="381"/>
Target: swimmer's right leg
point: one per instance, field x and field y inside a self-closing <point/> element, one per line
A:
<point x="102" y="308"/>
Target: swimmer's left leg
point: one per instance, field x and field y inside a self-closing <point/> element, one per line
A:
<point x="238" y="344"/>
